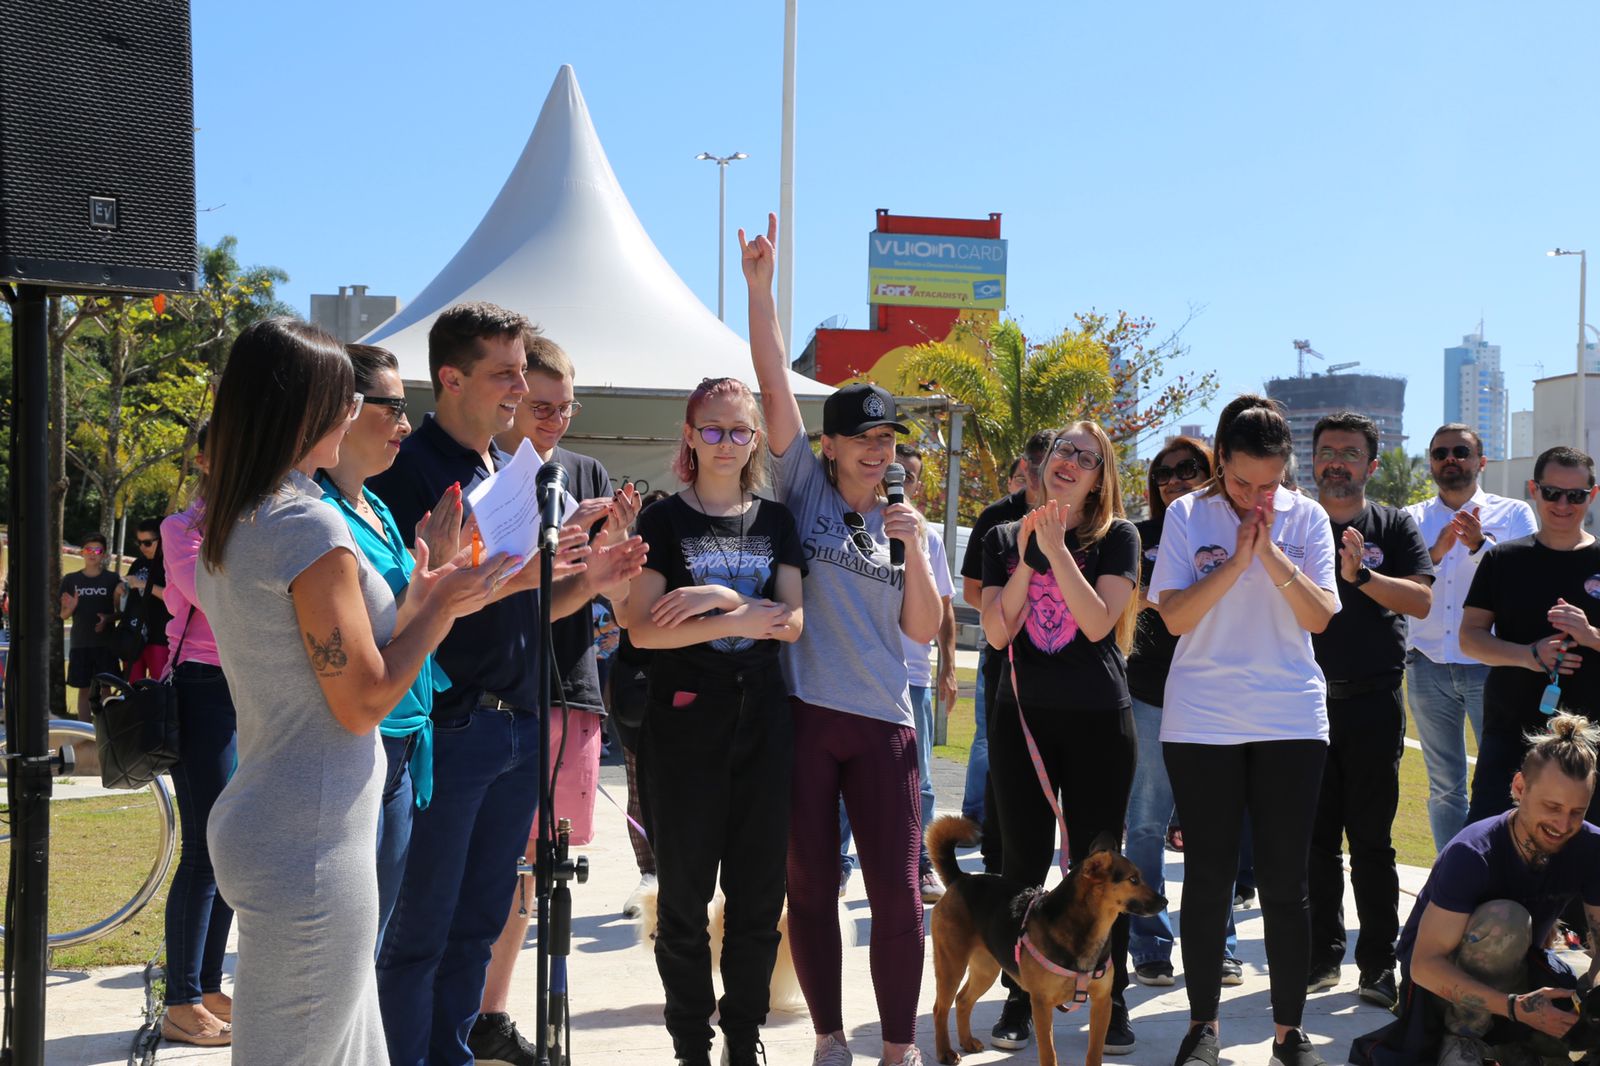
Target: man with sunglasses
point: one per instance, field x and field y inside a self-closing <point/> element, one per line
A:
<point x="1444" y="684"/>
<point x="89" y="600"/>
<point x="1530" y="617"/>
<point x="1384" y="577"/>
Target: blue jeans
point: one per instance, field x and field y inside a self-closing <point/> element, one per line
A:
<point x="394" y="827"/>
<point x="452" y="907"/>
<point x="198" y="918"/>
<point x="978" y="754"/>
<point x="1443" y="697"/>
<point x="1150" y="809"/>
<point x="922" y="717"/>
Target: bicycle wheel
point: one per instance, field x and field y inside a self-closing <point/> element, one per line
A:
<point x="110" y="850"/>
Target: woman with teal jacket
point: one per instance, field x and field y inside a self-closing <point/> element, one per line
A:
<point x="369" y="449"/>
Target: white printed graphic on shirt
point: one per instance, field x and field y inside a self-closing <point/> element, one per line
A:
<point x="743" y="564"/>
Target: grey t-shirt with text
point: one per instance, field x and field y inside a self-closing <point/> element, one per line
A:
<point x="849" y="656"/>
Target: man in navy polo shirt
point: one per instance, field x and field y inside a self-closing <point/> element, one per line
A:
<point x="453" y="900"/>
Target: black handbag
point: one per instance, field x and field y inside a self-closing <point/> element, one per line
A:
<point x="136" y="725"/>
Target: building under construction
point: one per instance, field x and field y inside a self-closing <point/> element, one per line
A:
<point x="1306" y="399"/>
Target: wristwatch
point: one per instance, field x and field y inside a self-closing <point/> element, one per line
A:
<point x="1362" y="577"/>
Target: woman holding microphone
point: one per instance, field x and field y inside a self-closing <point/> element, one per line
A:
<point x="853" y="728"/>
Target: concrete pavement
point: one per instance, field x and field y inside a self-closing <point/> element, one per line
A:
<point x="616" y="993"/>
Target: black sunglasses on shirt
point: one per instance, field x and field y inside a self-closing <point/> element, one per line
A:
<point x="858" y="532"/>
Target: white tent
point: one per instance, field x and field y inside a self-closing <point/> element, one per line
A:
<point x="561" y="244"/>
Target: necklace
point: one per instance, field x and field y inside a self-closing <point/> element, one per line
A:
<point x="716" y="535"/>
<point x="1530" y="852"/>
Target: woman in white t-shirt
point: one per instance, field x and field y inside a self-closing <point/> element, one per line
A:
<point x="1245" y="576"/>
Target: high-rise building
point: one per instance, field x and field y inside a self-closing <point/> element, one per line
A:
<point x="353" y="313"/>
<point x="1307" y="399"/>
<point x="1475" y="391"/>
<point x="1521" y="434"/>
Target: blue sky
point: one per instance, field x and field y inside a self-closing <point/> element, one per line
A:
<point x="1372" y="177"/>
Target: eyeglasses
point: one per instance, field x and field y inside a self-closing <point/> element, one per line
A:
<point x="858" y="532"/>
<point x="1187" y="470"/>
<point x="1576" y="497"/>
<point x="356" y="400"/>
<point x="740" y="435"/>
<point x="151" y="543"/>
<point x="1460" y="451"/>
<point x="1086" y="459"/>
<point x="395" y="405"/>
<point x="1344" y="455"/>
<point x="546" y="411"/>
<point x="94" y="551"/>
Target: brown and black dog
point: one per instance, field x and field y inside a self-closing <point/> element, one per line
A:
<point x="977" y="925"/>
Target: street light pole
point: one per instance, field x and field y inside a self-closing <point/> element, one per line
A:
<point x="1581" y="431"/>
<point x="722" y="162"/>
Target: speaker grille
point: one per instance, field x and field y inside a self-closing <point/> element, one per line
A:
<point x="97" y="107"/>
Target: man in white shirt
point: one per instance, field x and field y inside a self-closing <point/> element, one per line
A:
<point x="1444" y="686"/>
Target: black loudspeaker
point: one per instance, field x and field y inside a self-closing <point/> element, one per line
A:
<point x="97" y="145"/>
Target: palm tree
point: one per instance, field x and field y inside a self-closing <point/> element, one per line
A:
<point x="1400" y="479"/>
<point x="1014" y="389"/>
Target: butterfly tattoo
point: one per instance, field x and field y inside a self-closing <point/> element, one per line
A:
<point x="329" y="656"/>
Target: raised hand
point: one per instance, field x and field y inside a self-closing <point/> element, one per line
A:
<point x="682" y="604"/>
<point x="572" y="551"/>
<point x="1447" y="539"/>
<point x="69" y="603"/>
<point x="616" y="564"/>
<point x="591" y="511"/>
<point x="1249" y="538"/>
<point x="1025" y="536"/>
<point x="1051" y="530"/>
<point x="759" y="258"/>
<point x="1571" y="620"/>
<point x="441" y="527"/>
<point x="1351" y="546"/>
<point x="624" y="510"/>
<point x="1468" y="528"/>
<point x="457" y="588"/>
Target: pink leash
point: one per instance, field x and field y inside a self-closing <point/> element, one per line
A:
<point x="1038" y="760"/>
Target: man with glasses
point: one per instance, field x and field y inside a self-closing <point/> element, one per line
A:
<point x="89" y="600"/>
<point x="1444" y="684"/>
<point x="1531" y="618"/>
<point x="1384" y="576"/>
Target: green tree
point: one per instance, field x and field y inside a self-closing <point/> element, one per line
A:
<point x="1104" y="368"/>
<point x="1400" y="479"/>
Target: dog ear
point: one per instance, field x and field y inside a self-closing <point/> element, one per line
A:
<point x="1097" y="867"/>
<point x="1106" y="841"/>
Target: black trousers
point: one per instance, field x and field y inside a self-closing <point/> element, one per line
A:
<point x="1360" y="793"/>
<point x="716" y="768"/>
<point x="1089" y="756"/>
<point x="1276" y="783"/>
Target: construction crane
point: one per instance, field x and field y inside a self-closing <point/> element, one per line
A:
<point x="1336" y="367"/>
<point x="1303" y="349"/>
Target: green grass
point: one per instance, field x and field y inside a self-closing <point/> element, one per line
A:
<point x="100" y="852"/>
<point x="1413" y="837"/>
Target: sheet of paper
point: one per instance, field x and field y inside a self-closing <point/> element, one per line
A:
<point x="506" y="505"/>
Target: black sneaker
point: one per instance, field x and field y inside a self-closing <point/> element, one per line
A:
<point x="1156" y="974"/>
<point x="1244" y="896"/>
<point x="1232" y="972"/>
<point x="1323" y="978"/>
<point x="1296" y="1050"/>
<point x="1378" y="989"/>
<point x="743" y="1053"/>
<point x="494" y="1041"/>
<point x="1119" y="1034"/>
<point x="1015" y="1027"/>
<point x="1200" y="1047"/>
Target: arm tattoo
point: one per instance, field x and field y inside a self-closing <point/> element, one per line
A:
<point x="328" y="659"/>
<point x="1466" y="998"/>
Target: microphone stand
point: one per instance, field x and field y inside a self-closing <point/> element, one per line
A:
<point x="554" y="868"/>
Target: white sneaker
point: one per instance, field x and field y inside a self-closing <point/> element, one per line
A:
<point x="634" y="908"/>
<point x="832" y="1053"/>
<point x="912" y="1057"/>
<point x="932" y="888"/>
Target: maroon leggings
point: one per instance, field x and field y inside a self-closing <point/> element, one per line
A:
<point x="873" y="764"/>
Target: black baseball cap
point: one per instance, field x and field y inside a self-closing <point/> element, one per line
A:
<point x="854" y="409"/>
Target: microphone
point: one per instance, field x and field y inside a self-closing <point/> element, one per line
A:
<point x="895" y="478"/>
<point x="551" y="490"/>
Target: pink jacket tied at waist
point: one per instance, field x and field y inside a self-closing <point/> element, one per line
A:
<point x="180" y="547"/>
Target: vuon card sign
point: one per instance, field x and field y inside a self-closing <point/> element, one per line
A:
<point x="936" y="271"/>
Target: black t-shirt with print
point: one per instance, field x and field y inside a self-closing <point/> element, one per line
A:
<point x="96" y="596"/>
<point x="1518" y="582"/>
<point x="1365" y="640"/>
<point x="1153" y="643"/>
<point x="1057" y="666"/>
<point x="150" y="611"/>
<point x="573" y="636"/>
<point x="741" y="552"/>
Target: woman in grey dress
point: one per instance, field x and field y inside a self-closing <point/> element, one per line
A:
<point x="317" y="651"/>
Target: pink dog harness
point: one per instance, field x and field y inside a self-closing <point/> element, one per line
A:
<point x="1080" y="979"/>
